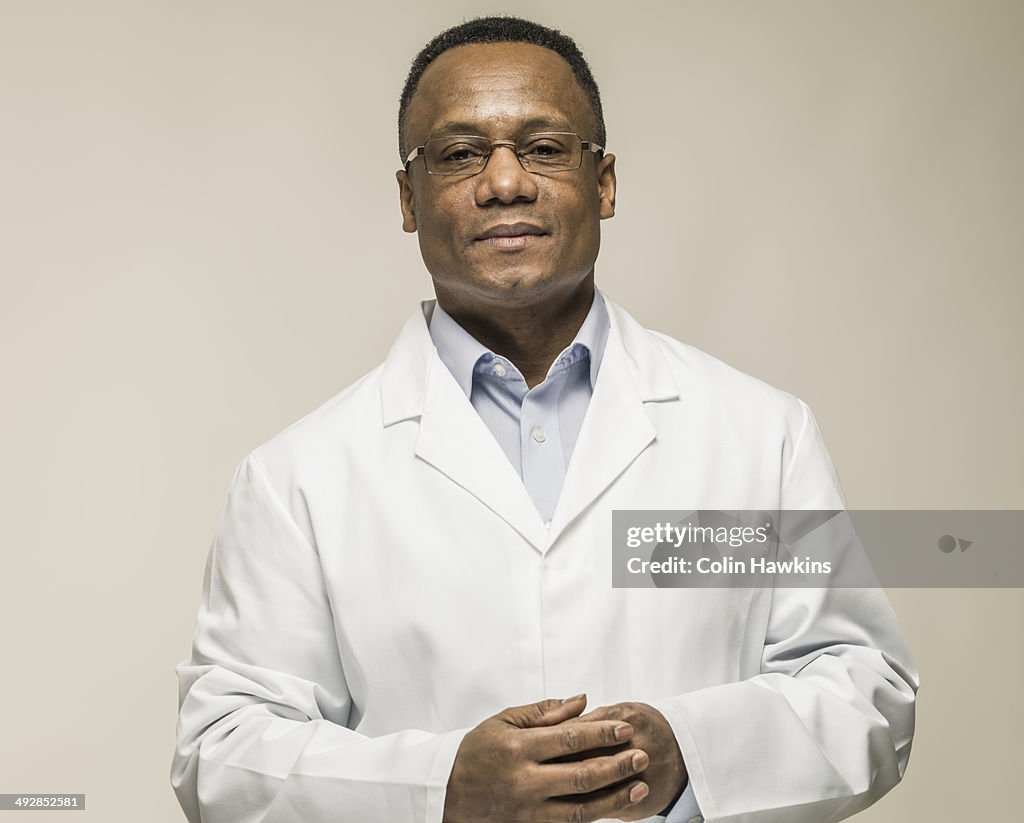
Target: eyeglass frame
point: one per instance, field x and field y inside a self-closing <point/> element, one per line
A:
<point x="585" y="146"/>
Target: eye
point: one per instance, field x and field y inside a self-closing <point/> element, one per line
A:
<point x="460" y="152"/>
<point x="545" y="148"/>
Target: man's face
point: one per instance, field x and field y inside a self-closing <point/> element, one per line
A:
<point x="503" y="91"/>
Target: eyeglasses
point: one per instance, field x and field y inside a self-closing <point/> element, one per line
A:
<point x="465" y="155"/>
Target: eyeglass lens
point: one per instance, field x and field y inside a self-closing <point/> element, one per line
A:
<point x="466" y="154"/>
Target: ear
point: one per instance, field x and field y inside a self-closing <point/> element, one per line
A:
<point x="405" y="200"/>
<point x="606" y="185"/>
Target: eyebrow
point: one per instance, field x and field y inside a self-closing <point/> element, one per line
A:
<point x="448" y="127"/>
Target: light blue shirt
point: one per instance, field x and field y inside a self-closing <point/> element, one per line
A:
<point x="536" y="428"/>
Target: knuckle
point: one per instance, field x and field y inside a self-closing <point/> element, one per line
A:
<point x="534" y="713"/>
<point x="626" y="766"/>
<point x="577" y="813"/>
<point x="545" y="706"/>
<point x="519" y="787"/>
<point x="614" y="713"/>
<point x="517" y="717"/>
<point x="514" y="745"/>
<point x="582" y="780"/>
<point x="570" y="739"/>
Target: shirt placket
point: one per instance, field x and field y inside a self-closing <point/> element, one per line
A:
<point x="543" y="461"/>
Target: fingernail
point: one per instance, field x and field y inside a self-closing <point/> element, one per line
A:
<point x="639" y="761"/>
<point x="622" y="731"/>
<point x="638" y="792"/>
<point x="574" y="698"/>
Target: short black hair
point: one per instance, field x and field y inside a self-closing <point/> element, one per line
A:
<point x="502" y="29"/>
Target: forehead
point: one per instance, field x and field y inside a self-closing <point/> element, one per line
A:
<point x="496" y="88"/>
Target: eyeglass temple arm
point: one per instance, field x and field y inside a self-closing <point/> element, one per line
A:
<point x="416" y="152"/>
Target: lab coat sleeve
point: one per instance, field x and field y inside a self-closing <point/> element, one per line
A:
<point x="264" y="703"/>
<point x="825" y="729"/>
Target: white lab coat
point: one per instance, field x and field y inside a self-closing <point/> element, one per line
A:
<point x="381" y="582"/>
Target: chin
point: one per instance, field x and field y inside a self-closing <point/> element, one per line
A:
<point x="525" y="286"/>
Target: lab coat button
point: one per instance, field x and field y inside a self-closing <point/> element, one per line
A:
<point x="538" y="434"/>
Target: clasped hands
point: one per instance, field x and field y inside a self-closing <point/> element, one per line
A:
<point x="548" y="763"/>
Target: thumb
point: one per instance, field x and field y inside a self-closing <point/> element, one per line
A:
<point x="545" y="712"/>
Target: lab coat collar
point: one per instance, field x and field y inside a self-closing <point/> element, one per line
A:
<point x="403" y="380"/>
<point x="453" y="438"/>
<point x="645" y="358"/>
<point x="617" y="427"/>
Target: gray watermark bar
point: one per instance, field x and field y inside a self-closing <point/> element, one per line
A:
<point x="703" y="548"/>
<point x="41" y="802"/>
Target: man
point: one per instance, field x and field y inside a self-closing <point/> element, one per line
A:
<point x="408" y="583"/>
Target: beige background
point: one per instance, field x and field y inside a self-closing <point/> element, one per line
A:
<point x="199" y="242"/>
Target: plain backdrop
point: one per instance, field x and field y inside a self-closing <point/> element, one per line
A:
<point x="200" y="242"/>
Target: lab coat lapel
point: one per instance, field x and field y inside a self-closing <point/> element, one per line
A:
<point x="617" y="428"/>
<point x="456" y="442"/>
<point x="452" y="438"/>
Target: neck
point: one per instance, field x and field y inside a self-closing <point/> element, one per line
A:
<point x="530" y="335"/>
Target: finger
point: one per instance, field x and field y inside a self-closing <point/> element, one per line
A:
<point x="544" y="712"/>
<point x="591" y="775"/>
<point x="610" y="803"/>
<point x="574" y="738"/>
<point x="626" y="712"/>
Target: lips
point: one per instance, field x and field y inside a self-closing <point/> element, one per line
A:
<point x="510" y="236"/>
<point x="512" y="230"/>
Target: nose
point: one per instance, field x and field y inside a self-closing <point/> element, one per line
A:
<point x="503" y="179"/>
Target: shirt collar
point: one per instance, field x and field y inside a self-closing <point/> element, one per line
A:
<point x="460" y="351"/>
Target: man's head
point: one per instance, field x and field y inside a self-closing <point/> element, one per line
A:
<point x="504" y="235"/>
<point x="501" y="30"/>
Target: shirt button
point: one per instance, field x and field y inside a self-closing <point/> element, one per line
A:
<point x="538" y="434"/>
<point x="499" y="370"/>
<point x="696" y="819"/>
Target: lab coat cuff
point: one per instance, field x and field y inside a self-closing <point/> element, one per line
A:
<point x="685" y="809"/>
<point x="441" y="771"/>
<point x="696" y="800"/>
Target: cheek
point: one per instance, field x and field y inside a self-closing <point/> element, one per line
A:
<point x="579" y="217"/>
<point x="438" y="219"/>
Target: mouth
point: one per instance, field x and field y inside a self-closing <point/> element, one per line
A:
<point x="511" y="236"/>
